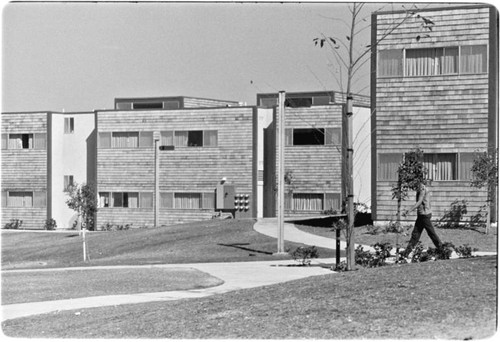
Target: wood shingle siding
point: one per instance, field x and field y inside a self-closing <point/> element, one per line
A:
<point x="316" y="168"/>
<point x="24" y="169"/>
<point x="185" y="169"/>
<point x="438" y="113"/>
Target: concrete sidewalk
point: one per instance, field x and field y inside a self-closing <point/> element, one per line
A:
<point x="236" y="276"/>
<point x="268" y="226"/>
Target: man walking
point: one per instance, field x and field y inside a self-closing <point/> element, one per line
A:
<point x="424" y="215"/>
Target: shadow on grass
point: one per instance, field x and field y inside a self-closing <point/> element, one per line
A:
<point x="240" y="246"/>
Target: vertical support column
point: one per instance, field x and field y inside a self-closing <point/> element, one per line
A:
<point x="281" y="172"/>
<point x="350" y="190"/>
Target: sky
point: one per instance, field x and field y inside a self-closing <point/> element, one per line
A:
<point x="81" y="56"/>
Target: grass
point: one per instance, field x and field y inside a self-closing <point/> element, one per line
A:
<point x="453" y="299"/>
<point x="208" y="241"/>
<point x="38" y="286"/>
<point x="368" y="235"/>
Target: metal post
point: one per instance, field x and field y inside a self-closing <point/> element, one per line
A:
<point x="157" y="182"/>
<point x="281" y="172"/>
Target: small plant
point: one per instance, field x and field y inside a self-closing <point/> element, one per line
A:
<point x="362" y="257"/>
<point x="443" y="252"/>
<point x="115" y="227"/>
<point x="453" y="217"/>
<point x="341" y="267"/>
<point x="305" y="254"/>
<point x="13" y="224"/>
<point x="373" y="230"/>
<point x="50" y="224"/>
<point x="465" y="251"/>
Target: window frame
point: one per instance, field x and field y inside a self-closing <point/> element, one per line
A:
<point x="437" y="65"/>
<point x="69" y="125"/>
<point x="331" y="136"/>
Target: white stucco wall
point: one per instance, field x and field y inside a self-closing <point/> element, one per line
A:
<point x="362" y="155"/>
<point x="265" y="118"/>
<point x="69" y="157"/>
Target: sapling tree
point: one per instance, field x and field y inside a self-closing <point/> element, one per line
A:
<point x="485" y="174"/>
<point x="411" y="173"/>
<point x="83" y="200"/>
<point x="350" y="57"/>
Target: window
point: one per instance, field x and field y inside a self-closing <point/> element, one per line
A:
<point x="124" y="199"/>
<point x="388" y="164"/>
<point x="125" y="139"/>
<point x="147" y="105"/>
<point x="69" y="125"/>
<point x="171" y="105"/>
<point x="305" y="136"/>
<point x="441" y="166"/>
<point x="269" y="102"/>
<point x="104" y="199"/>
<point x="390" y="63"/>
<point x="68" y="182"/>
<point x="20" y="199"/>
<point x="297" y="102"/>
<point x="431" y="61"/>
<point x="307" y="202"/>
<point x="167" y="138"/>
<point x="473" y="59"/>
<point x="207" y="138"/>
<point x="332" y="201"/>
<point x="187" y="200"/>
<point x="20" y="141"/>
<point x="470" y="59"/>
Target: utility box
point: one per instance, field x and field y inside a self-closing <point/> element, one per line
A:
<point x="224" y="197"/>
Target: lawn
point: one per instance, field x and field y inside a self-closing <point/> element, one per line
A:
<point x="207" y="241"/>
<point x="452" y="299"/>
<point x="449" y="299"/>
<point x="35" y="286"/>
<point x="367" y="235"/>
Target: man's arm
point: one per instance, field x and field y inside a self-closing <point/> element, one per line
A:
<point x="417" y="204"/>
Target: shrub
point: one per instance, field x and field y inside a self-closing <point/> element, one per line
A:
<point x="114" y="227"/>
<point x="50" y="224"/>
<point x="454" y="215"/>
<point x="442" y="253"/>
<point x="373" y="259"/>
<point x="13" y="224"/>
<point x="341" y="267"/>
<point x="305" y="254"/>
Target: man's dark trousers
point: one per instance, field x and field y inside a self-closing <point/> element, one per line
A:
<point x="422" y="222"/>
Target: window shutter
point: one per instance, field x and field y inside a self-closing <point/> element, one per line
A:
<point x="288" y="136"/>
<point x="167" y="138"/>
<point x="466" y="162"/>
<point x="4" y="199"/>
<point x="5" y="139"/>
<point x="210" y="138"/>
<point x="146" y="139"/>
<point x="333" y="136"/>
<point x="388" y="164"/>
<point x="40" y="141"/>
<point x="146" y="200"/>
<point x="40" y="199"/>
<point x="167" y="200"/>
<point x="208" y="200"/>
<point x="105" y="140"/>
